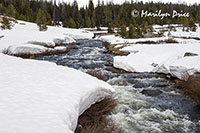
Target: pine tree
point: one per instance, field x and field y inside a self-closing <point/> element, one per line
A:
<point x="71" y="23"/>
<point x="131" y="33"/>
<point x="192" y="25"/>
<point x="5" y="23"/>
<point x="11" y="11"/>
<point x="110" y="28"/>
<point x="123" y="31"/>
<point x="138" y="31"/>
<point x="88" y="22"/>
<point x="91" y="9"/>
<point x="41" y="20"/>
<point x="186" y="24"/>
<point x="150" y="28"/>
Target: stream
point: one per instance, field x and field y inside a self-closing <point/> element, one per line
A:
<point x="148" y="102"/>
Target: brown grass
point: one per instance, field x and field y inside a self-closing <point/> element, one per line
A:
<point x="192" y="87"/>
<point x="157" y="42"/>
<point x="94" y="120"/>
<point x="113" y="50"/>
<point x="195" y="38"/>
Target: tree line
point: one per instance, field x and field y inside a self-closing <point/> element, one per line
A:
<point x="103" y="15"/>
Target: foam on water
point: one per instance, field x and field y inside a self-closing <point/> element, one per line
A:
<point x="136" y="113"/>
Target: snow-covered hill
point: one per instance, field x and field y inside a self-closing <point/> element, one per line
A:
<point x="38" y="96"/>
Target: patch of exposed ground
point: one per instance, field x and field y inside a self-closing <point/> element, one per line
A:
<point x="94" y="119"/>
<point x="113" y="50"/>
<point x="167" y="41"/>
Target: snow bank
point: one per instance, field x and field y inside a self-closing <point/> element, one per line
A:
<point x="167" y="58"/>
<point x="27" y="34"/>
<point x="112" y="39"/>
<point x="41" y="97"/>
<point x="24" y="49"/>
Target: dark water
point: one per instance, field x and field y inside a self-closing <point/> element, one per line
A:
<point x="161" y="108"/>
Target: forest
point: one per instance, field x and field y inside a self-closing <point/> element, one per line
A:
<point x="102" y="15"/>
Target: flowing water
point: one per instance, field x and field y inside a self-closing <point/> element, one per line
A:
<point x="148" y="102"/>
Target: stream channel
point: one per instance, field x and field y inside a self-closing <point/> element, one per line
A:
<point x="148" y="102"/>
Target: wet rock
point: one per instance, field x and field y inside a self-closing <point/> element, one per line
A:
<point x="98" y="74"/>
<point x="116" y="70"/>
<point x="190" y="54"/>
<point x="151" y="92"/>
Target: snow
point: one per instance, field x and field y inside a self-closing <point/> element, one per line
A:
<point x="160" y="58"/>
<point x="26" y="34"/>
<point x="180" y="33"/>
<point x="24" y="49"/>
<point x="37" y="96"/>
<point x="167" y="58"/>
<point x="112" y="39"/>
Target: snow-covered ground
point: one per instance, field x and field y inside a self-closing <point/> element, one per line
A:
<point x="25" y="38"/>
<point x="112" y="39"/>
<point x="42" y="97"/>
<point x="160" y="58"/>
<point x="179" y="30"/>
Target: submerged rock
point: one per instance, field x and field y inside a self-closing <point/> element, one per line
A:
<point x="151" y="92"/>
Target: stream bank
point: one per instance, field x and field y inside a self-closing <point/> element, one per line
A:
<point x="147" y="102"/>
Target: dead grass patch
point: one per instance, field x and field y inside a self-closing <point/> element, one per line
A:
<point x="195" y="38"/>
<point x="94" y="120"/>
<point x="113" y="50"/>
<point x="158" y="42"/>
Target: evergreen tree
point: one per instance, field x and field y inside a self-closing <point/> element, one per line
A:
<point x="192" y="25"/>
<point x="145" y="27"/>
<point x="11" y="11"/>
<point x="101" y="15"/>
<point x="71" y="23"/>
<point x="123" y="31"/>
<point x="88" y="22"/>
<point x="41" y="20"/>
<point x="110" y="28"/>
<point x="186" y="25"/>
<point x="91" y="9"/>
<point x="5" y="23"/>
<point x="131" y="33"/>
<point x="138" y="31"/>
